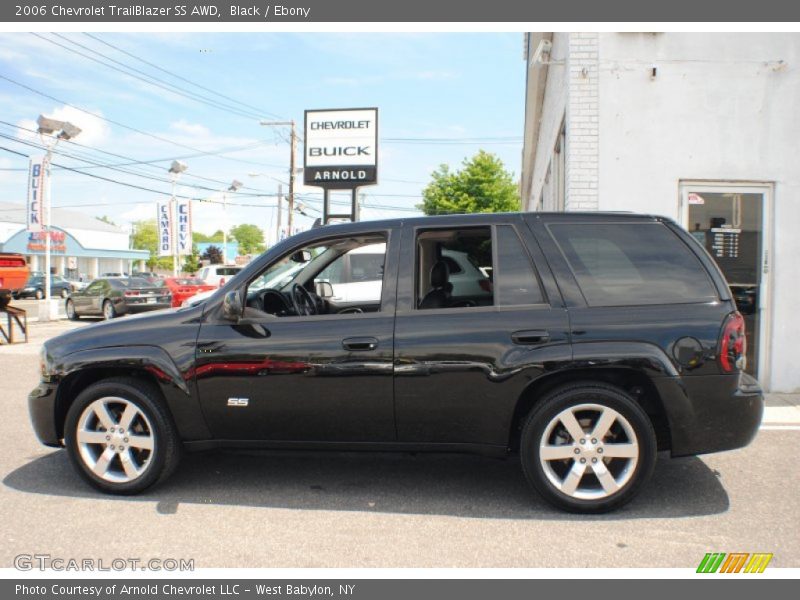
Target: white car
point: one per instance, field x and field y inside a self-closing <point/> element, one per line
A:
<point x="217" y="275"/>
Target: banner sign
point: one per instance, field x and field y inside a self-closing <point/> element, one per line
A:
<point x="341" y="148"/>
<point x="184" y="227"/>
<point x="164" y="223"/>
<point x="36" y="190"/>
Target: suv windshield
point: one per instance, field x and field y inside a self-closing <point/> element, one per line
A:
<point x="284" y="272"/>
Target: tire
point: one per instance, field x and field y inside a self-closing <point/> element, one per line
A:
<point x="602" y="483"/>
<point x="64" y="292"/>
<point x="72" y="314"/>
<point x="38" y="294"/>
<point x="109" y="312"/>
<point x="152" y="425"/>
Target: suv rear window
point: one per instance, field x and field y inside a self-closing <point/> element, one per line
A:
<point x="623" y="264"/>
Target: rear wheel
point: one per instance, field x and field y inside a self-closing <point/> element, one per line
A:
<point x="109" y="312"/>
<point x="120" y="437"/>
<point x="64" y="292"/>
<point x="72" y="314"/>
<point x="588" y="448"/>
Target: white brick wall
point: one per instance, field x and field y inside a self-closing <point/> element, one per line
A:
<point x="583" y="136"/>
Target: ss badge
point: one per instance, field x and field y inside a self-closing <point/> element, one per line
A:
<point x="238" y="401"/>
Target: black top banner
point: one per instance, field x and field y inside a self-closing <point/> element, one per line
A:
<point x="338" y="11"/>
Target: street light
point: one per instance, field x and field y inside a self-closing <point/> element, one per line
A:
<point x="50" y="131"/>
<point x="293" y="152"/>
<point x="175" y="169"/>
<point x="233" y="187"/>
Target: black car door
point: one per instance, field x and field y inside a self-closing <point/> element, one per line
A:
<point x="461" y="365"/>
<point x="319" y="378"/>
<point x="85" y="302"/>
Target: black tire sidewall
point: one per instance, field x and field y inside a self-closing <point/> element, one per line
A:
<point x="73" y="315"/>
<point x="161" y="429"/>
<point x="113" y="310"/>
<point x="38" y="294"/>
<point x="558" y="401"/>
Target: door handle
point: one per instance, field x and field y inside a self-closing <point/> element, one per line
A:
<point x="360" y="343"/>
<point x="530" y="336"/>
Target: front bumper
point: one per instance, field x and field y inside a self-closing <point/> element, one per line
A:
<point x="712" y="413"/>
<point x="42" y="410"/>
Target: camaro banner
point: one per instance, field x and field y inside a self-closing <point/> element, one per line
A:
<point x="164" y="220"/>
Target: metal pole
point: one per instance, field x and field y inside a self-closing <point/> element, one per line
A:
<point x="47" y="213"/>
<point x="291" y="177"/>
<point x="225" y="228"/>
<point x="278" y="226"/>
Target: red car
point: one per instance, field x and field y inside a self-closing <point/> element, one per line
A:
<point x="13" y="275"/>
<point x="185" y="287"/>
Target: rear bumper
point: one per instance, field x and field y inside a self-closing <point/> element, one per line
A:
<point x="42" y="410"/>
<point x="132" y="309"/>
<point x="712" y="413"/>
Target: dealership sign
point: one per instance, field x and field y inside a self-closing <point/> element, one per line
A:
<point x="36" y="191"/>
<point x="174" y="227"/>
<point x="341" y="148"/>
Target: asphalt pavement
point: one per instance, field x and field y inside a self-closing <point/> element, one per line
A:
<point x="281" y="509"/>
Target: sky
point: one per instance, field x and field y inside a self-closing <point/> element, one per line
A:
<point x="441" y="97"/>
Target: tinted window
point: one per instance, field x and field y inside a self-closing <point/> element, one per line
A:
<point x="620" y="264"/>
<point x="228" y="271"/>
<point x="366" y="267"/>
<point x="95" y="287"/>
<point x="516" y="281"/>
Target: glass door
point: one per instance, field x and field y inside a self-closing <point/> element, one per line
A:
<point x="730" y="222"/>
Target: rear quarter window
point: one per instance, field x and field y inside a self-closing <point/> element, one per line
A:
<point x="625" y="264"/>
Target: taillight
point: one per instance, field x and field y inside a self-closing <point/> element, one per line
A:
<point x="11" y="262"/>
<point x="733" y="344"/>
<point x="221" y="282"/>
<point x="486" y="285"/>
<point x="131" y="293"/>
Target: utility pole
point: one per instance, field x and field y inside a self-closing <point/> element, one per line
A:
<point x="278" y="225"/>
<point x="292" y="162"/>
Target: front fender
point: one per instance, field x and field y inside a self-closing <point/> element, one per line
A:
<point x="176" y="386"/>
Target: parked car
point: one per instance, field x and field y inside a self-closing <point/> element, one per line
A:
<point x="13" y="275"/>
<point x="183" y="288"/>
<point x="148" y="276"/>
<point x="113" y="297"/>
<point x="607" y="338"/>
<point x="35" y="286"/>
<point x="217" y="275"/>
<point x="113" y="274"/>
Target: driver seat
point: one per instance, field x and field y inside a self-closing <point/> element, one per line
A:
<point x="441" y="288"/>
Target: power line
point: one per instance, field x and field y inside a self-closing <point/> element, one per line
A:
<point x="175" y="75"/>
<point x="144" y="77"/>
<point x="128" y="127"/>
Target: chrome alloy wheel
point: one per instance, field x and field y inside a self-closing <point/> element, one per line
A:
<point x="589" y="451"/>
<point x="115" y="439"/>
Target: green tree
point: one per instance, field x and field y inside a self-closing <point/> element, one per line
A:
<point x="482" y="186"/>
<point x="106" y="219"/>
<point x="215" y="237"/>
<point x="250" y="238"/>
<point x="192" y="262"/>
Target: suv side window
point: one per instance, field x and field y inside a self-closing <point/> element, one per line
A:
<point x="624" y="264"/>
<point x="438" y="284"/>
<point x="516" y="281"/>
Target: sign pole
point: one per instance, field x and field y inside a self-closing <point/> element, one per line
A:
<point x="292" y="169"/>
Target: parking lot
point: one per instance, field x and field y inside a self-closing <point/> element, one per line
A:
<point x="248" y="509"/>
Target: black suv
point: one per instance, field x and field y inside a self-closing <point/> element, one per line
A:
<point x="584" y="343"/>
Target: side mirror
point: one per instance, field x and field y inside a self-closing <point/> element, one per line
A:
<point x="324" y="289"/>
<point x="301" y="256"/>
<point x="232" y="308"/>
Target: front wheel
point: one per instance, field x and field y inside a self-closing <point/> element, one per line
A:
<point x="588" y="448"/>
<point x="109" y="312"/>
<point x="120" y="437"/>
<point x="72" y="314"/>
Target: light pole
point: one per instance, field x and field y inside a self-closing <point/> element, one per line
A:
<point x="233" y="187"/>
<point x="176" y="168"/>
<point x="278" y="200"/>
<point x="51" y="132"/>
<point x="292" y="160"/>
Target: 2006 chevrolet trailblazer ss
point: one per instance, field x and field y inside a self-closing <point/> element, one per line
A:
<point x="583" y="343"/>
